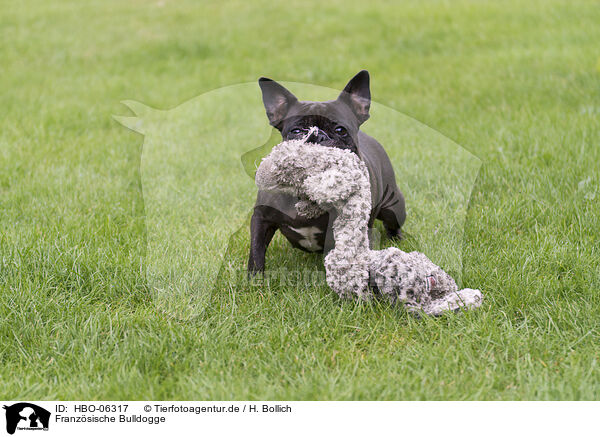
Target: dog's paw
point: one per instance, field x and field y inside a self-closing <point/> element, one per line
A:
<point x="394" y="234"/>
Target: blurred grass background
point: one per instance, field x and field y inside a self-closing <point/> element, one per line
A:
<point x="517" y="84"/>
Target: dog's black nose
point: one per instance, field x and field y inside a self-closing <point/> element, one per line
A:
<point x="318" y="136"/>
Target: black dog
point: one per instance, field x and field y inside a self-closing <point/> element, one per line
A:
<point x="338" y="123"/>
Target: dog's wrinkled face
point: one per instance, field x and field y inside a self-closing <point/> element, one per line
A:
<point x="337" y="120"/>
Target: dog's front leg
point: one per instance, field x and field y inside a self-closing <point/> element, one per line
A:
<point x="261" y="233"/>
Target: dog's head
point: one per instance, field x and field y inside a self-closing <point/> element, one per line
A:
<point x="337" y="120"/>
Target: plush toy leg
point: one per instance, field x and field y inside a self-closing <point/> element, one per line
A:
<point x="466" y="298"/>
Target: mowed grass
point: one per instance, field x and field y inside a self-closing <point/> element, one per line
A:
<point x="516" y="84"/>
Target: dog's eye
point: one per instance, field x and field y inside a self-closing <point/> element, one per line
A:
<point x="296" y="131"/>
<point x="341" y="131"/>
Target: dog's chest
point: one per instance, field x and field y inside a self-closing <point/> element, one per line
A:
<point x="310" y="238"/>
<point x="303" y="233"/>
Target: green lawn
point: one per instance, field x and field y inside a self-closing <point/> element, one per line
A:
<point x="516" y="84"/>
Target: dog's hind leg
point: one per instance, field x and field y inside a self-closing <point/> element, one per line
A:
<point x="393" y="213"/>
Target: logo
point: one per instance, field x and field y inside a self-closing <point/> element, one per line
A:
<point x="26" y="416"/>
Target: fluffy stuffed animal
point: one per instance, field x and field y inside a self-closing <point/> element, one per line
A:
<point x="337" y="181"/>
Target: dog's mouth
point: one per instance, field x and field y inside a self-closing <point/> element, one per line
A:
<point x="331" y="143"/>
<point x="334" y="144"/>
<point x="338" y="145"/>
<point x="326" y="141"/>
<point x="314" y="135"/>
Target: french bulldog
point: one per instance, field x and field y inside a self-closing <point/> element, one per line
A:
<point x="337" y="124"/>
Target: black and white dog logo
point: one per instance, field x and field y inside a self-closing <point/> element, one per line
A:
<point x="26" y="416"/>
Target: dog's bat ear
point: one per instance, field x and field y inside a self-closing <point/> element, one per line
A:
<point x="277" y="100"/>
<point x="357" y="95"/>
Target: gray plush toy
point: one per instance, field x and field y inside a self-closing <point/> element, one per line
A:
<point x="337" y="181"/>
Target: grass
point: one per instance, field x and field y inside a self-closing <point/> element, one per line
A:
<point x="517" y="85"/>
